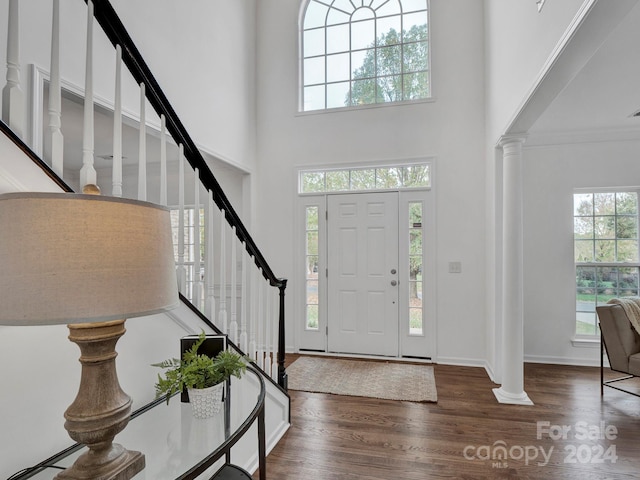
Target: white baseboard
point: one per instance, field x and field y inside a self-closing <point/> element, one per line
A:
<point x="252" y="463"/>
<point x="578" y="362"/>
<point x="462" y="362"/>
<point x="489" y="369"/>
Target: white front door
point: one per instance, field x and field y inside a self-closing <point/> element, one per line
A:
<point x="363" y="273"/>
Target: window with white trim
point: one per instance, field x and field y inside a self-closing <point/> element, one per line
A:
<point x="360" y="52"/>
<point x="416" y="259"/>
<point x="607" y="259"/>
<point x="311" y="267"/>
<point x="364" y="179"/>
<point x="189" y="252"/>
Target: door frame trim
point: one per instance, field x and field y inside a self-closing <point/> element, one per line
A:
<point x="302" y="200"/>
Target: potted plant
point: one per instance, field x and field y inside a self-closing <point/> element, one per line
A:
<point x="201" y="375"/>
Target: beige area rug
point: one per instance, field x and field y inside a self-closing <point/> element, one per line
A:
<point x="387" y="380"/>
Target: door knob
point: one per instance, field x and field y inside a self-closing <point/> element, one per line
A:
<point x="393" y="271"/>
<point x="393" y="283"/>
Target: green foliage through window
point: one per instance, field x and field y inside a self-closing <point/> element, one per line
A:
<point x="605" y="228"/>
<point x="378" y="178"/>
<point x="364" y="52"/>
<point x="415" y="268"/>
<point x="311" y="277"/>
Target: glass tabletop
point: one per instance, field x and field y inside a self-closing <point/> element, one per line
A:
<point x="174" y="442"/>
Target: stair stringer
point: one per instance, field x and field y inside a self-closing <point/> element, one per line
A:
<point x="18" y="173"/>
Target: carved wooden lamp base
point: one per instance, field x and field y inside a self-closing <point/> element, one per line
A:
<point x="119" y="464"/>
<point x="101" y="409"/>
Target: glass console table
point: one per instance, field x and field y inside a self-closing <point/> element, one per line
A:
<point x="178" y="446"/>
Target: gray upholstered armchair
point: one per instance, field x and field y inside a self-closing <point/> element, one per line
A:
<point x="622" y="344"/>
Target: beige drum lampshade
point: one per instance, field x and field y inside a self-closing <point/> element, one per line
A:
<point x="70" y="258"/>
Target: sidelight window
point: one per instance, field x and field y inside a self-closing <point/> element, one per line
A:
<point x="311" y="265"/>
<point x="415" y="268"/>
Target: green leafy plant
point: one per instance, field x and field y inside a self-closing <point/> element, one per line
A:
<point x="196" y="370"/>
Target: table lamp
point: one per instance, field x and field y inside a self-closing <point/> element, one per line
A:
<point x="90" y="262"/>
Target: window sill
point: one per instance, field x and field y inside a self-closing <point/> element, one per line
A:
<point x="586" y="342"/>
<point x="354" y="108"/>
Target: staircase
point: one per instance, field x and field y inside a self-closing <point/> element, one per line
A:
<point x="225" y="282"/>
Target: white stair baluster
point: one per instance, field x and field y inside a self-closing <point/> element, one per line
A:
<point x="267" y="329"/>
<point x="196" y="293"/>
<point x="163" y="160"/>
<point x="244" y="302"/>
<point x="55" y="96"/>
<point x="222" y="300"/>
<point x="275" y="300"/>
<point x="210" y="299"/>
<point x="233" y="326"/>
<point x="13" y="105"/>
<point x="181" y="271"/>
<point x="88" y="175"/>
<point x="116" y="174"/>
<point x="142" y="147"/>
<point x="253" y="313"/>
<point x="260" y="323"/>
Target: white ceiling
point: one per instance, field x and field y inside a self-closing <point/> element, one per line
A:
<point x="603" y="95"/>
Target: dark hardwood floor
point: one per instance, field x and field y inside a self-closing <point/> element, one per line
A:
<point x="351" y="438"/>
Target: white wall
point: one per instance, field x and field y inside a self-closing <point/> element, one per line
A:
<point x="519" y="40"/>
<point x="450" y="128"/>
<point x="207" y="48"/>
<point x="550" y="176"/>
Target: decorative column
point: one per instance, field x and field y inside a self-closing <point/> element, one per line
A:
<point x="512" y="389"/>
<point x="13" y="106"/>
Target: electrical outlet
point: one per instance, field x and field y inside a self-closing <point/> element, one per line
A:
<point x="455" y="267"/>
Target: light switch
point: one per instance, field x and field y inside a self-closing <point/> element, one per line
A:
<point x="455" y="267"/>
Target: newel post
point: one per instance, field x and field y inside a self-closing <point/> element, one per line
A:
<point x="282" y="373"/>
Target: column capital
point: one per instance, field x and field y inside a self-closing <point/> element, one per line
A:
<point x="511" y="139"/>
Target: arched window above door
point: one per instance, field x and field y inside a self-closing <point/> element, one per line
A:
<point x="363" y="52"/>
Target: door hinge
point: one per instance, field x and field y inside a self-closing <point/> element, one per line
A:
<point x="327" y="331"/>
<point x="326" y="215"/>
<point x="326" y="273"/>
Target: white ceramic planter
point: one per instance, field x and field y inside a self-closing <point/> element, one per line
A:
<point x="206" y="402"/>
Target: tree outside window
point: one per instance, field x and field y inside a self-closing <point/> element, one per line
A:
<point x="361" y="53"/>
<point x="606" y="252"/>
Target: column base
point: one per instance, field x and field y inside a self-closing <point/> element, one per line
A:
<point x="512" y="398"/>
